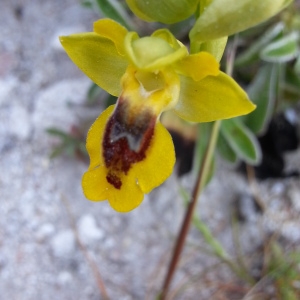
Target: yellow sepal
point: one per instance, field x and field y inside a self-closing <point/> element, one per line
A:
<point x="98" y="58"/>
<point x="213" y="98"/>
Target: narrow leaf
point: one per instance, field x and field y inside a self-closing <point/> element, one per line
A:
<point x="57" y="132"/>
<point x="114" y="10"/>
<point x="241" y="140"/>
<point x="87" y="3"/>
<point x="262" y="92"/>
<point x="225" y="150"/>
<point x="93" y="93"/>
<point x="282" y="50"/>
<point x="252" y="52"/>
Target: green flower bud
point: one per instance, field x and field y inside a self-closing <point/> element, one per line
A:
<point x="226" y="17"/>
<point x="164" y="11"/>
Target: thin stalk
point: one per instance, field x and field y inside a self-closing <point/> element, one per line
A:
<point x="200" y="182"/>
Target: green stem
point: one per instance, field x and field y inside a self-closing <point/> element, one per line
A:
<point x="200" y="182"/>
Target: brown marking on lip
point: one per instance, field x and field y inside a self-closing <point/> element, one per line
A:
<point x="114" y="180"/>
<point x="127" y="137"/>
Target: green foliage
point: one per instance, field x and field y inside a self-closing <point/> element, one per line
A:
<point x="94" y="93"/>
<point x="283" y="268"/>
<point x="225" y="150"/>
<point x="112" y="9"/>
<point x="70" y="144"/>
<point x="241" y="140"/>
<point x="262" y="92"/>
<point x="251" y="53"/>
<point x="268" y="62"/>
<point x="282" y="50"/>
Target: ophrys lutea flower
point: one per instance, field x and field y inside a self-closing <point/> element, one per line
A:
<point x="130" y="151"/>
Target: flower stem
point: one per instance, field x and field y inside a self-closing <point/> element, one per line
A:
<point x="200" y="182"/>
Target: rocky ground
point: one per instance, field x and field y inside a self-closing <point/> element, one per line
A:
<point x="49" y="233"/>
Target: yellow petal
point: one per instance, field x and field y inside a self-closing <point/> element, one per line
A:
<point x="128" y="197"/>
<point x="213" y="98"/>
<point x="197" y="66"/>
<point x="113" y="31"/>
<point x="98" y="58"/>
<point x="151" y="53"/>
<point x="95" y="137"/>
<point x="159" y="162"/>
<point x="94" y="184"/>
<point x="96" y="188"/>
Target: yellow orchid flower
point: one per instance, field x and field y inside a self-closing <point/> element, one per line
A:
<point x="130" y="151"/>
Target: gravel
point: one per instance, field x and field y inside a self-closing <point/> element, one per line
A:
<point x="43" y="211"/>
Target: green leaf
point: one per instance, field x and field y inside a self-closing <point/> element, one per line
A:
<point x="225" y="150"/>
<point x="93" y="93"/>
<point x="57" y="132"/>
<point x="241" y="140"/>
<point x="292" y="83"/>
<point x="57" y="151"/>
<point x="282" y="50"/>
<point x="87" y="3"/>
<point x="114" y="10"/>
<point x="262" y="92"/>
<point x="252" y="53"/>
<point x="110" y="100"/>
<point x="69" y="144"/>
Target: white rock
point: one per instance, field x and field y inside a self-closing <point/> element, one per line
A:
<point x="63" y="244"/>
<point x="45" y="231"/>
<point x="88" y="229"/>
<point x="294" y="195"/>
<point x="64" y="278"/>
<point x="291" y="115"/>
<point x="278" y="188"/>
<point x="19" y="123"/>
<point x="6" y="87"/>
<point x="52" y="109"/>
